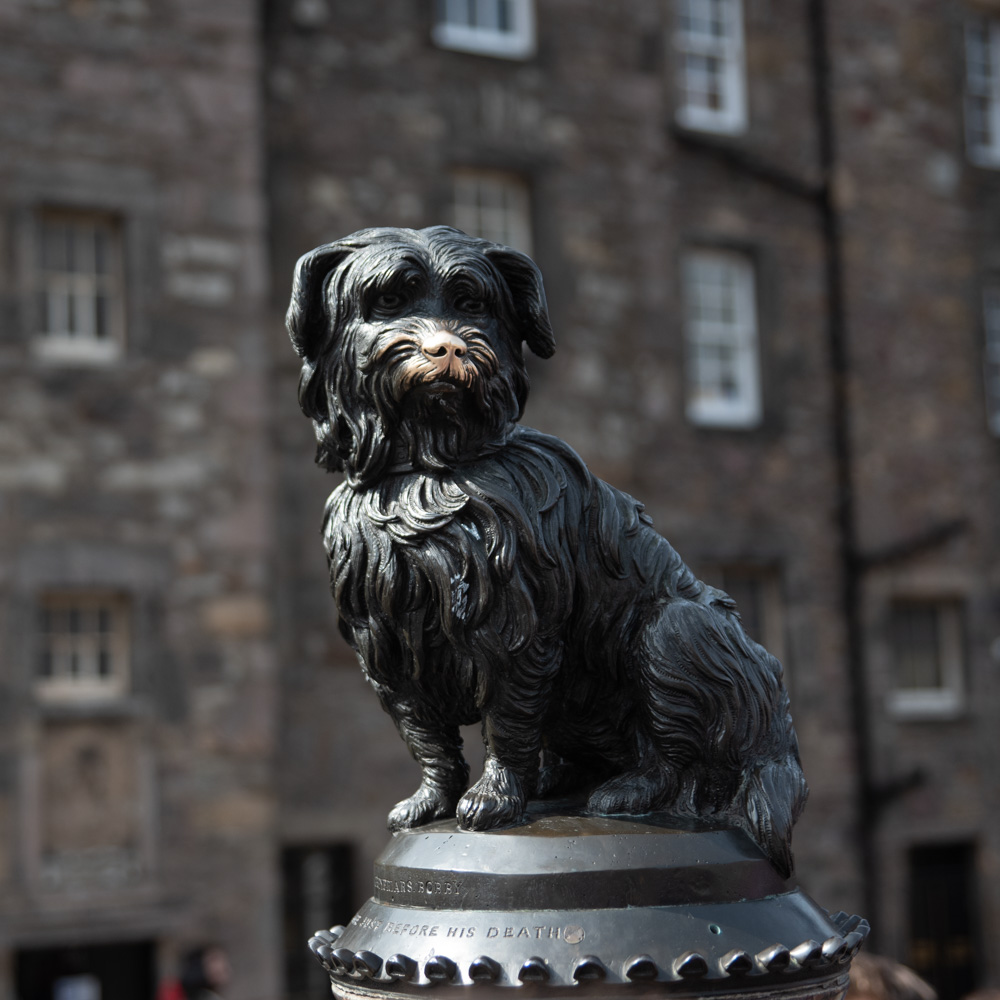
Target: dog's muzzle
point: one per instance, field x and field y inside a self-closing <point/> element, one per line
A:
<point x="445" y="352"/>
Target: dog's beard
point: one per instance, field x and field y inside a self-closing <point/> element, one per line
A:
<point x="438" y="430"/>
<point x="435" y="419"/>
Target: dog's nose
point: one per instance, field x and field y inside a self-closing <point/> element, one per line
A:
<point x="443" y="347"/>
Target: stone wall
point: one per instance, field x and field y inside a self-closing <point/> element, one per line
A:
<point x="151" y="477"/>
<point x="223" y="141"/>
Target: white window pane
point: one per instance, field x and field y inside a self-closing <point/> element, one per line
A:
<point x="712" y="22"/>
<point x="710" y="61"/>
<point x="502" y="28"/>
<point x="487" y="15"/>
<point x="493" y="206"/>
<point x="991" y="357"/>
<point x="977" y="58"/>
<point x="703" y="83"/>
<point x="721" y="334"/>
<point x="83" y="313"/>
<point x="457" y="12"/>
<point x="57" y="312"/>
<point x="79" y="287"/>
<point x="982" y="92"/>
<point x="928" y="657"/>
<point x="697" y="16"/>
<point x="977" y="120"/>
<point x="82" y="646"/>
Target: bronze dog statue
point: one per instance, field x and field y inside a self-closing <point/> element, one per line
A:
<point x="481" y="573"/>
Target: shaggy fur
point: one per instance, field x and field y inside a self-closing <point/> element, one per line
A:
<point x="483" y="574"/>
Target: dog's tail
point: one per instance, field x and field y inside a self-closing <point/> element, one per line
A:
<point x="766" y="806"/>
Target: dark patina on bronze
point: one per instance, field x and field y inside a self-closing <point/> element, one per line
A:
<point x="482" y="574"/>
<point x="572" y="901"/>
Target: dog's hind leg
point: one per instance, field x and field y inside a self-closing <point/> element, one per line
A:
<point x="669" y="721"/>
<point x="437" y="748"/>
<point x="643" y="788"/>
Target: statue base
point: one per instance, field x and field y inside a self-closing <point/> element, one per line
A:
<point x="571" y="901"/>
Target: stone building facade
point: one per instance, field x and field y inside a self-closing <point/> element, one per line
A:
<point x="138" y="802"/>
<point x="768" y="233"/>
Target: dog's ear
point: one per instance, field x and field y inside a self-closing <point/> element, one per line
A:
<point x="528" y="296"/>
<point x="311" y="327"/>
<point x="306" y="320"/>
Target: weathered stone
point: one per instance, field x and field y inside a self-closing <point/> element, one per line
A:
<point x="240" y="616"/>
<point x="178" y="474"/>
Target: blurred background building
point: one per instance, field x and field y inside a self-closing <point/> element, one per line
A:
<point x="770" y="231"/>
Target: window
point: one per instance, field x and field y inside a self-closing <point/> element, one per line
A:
<point x="494" y="206"/>
<point x="928" y="654"/>
<point x="982" y="92"/>
<point x="83" y="646"/>
<point x="711" y="76"/>
<point x="722" y="363"/>
<point x="504" y="28"/>
<point x="991" y="356"/>
<point x="316" y="895"/>
<point x="79" y="285"/>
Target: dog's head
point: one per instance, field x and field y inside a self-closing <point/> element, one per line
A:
<point x="411" y="346"/>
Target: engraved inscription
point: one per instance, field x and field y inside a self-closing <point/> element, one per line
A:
<point x="412" y="930"/>
<point x="401" y="929"/>
<point x="538" y="933"/>
<point x="571" y="934"/>
<point x="417" y="887"/>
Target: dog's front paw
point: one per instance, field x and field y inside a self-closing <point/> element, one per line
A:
<point x="633" y="793"/>
<point x="427" y="803"/>
<point x="497" y="799"/>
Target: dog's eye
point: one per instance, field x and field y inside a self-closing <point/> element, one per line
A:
<point x="389" y="302"/>
<point x="471" y="305"/>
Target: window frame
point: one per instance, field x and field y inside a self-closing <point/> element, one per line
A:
<point x="732" y="117"/>
<point x="452" y="32"/>
<point x="65" y="347"/>
<point x="986" y="90"/>
<point x="62" y="687"/>
<point x="991" y="356"/>
<point x="516" y="229"/>
<point x="948" y="699"/>
<point x="747" y="410"/>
